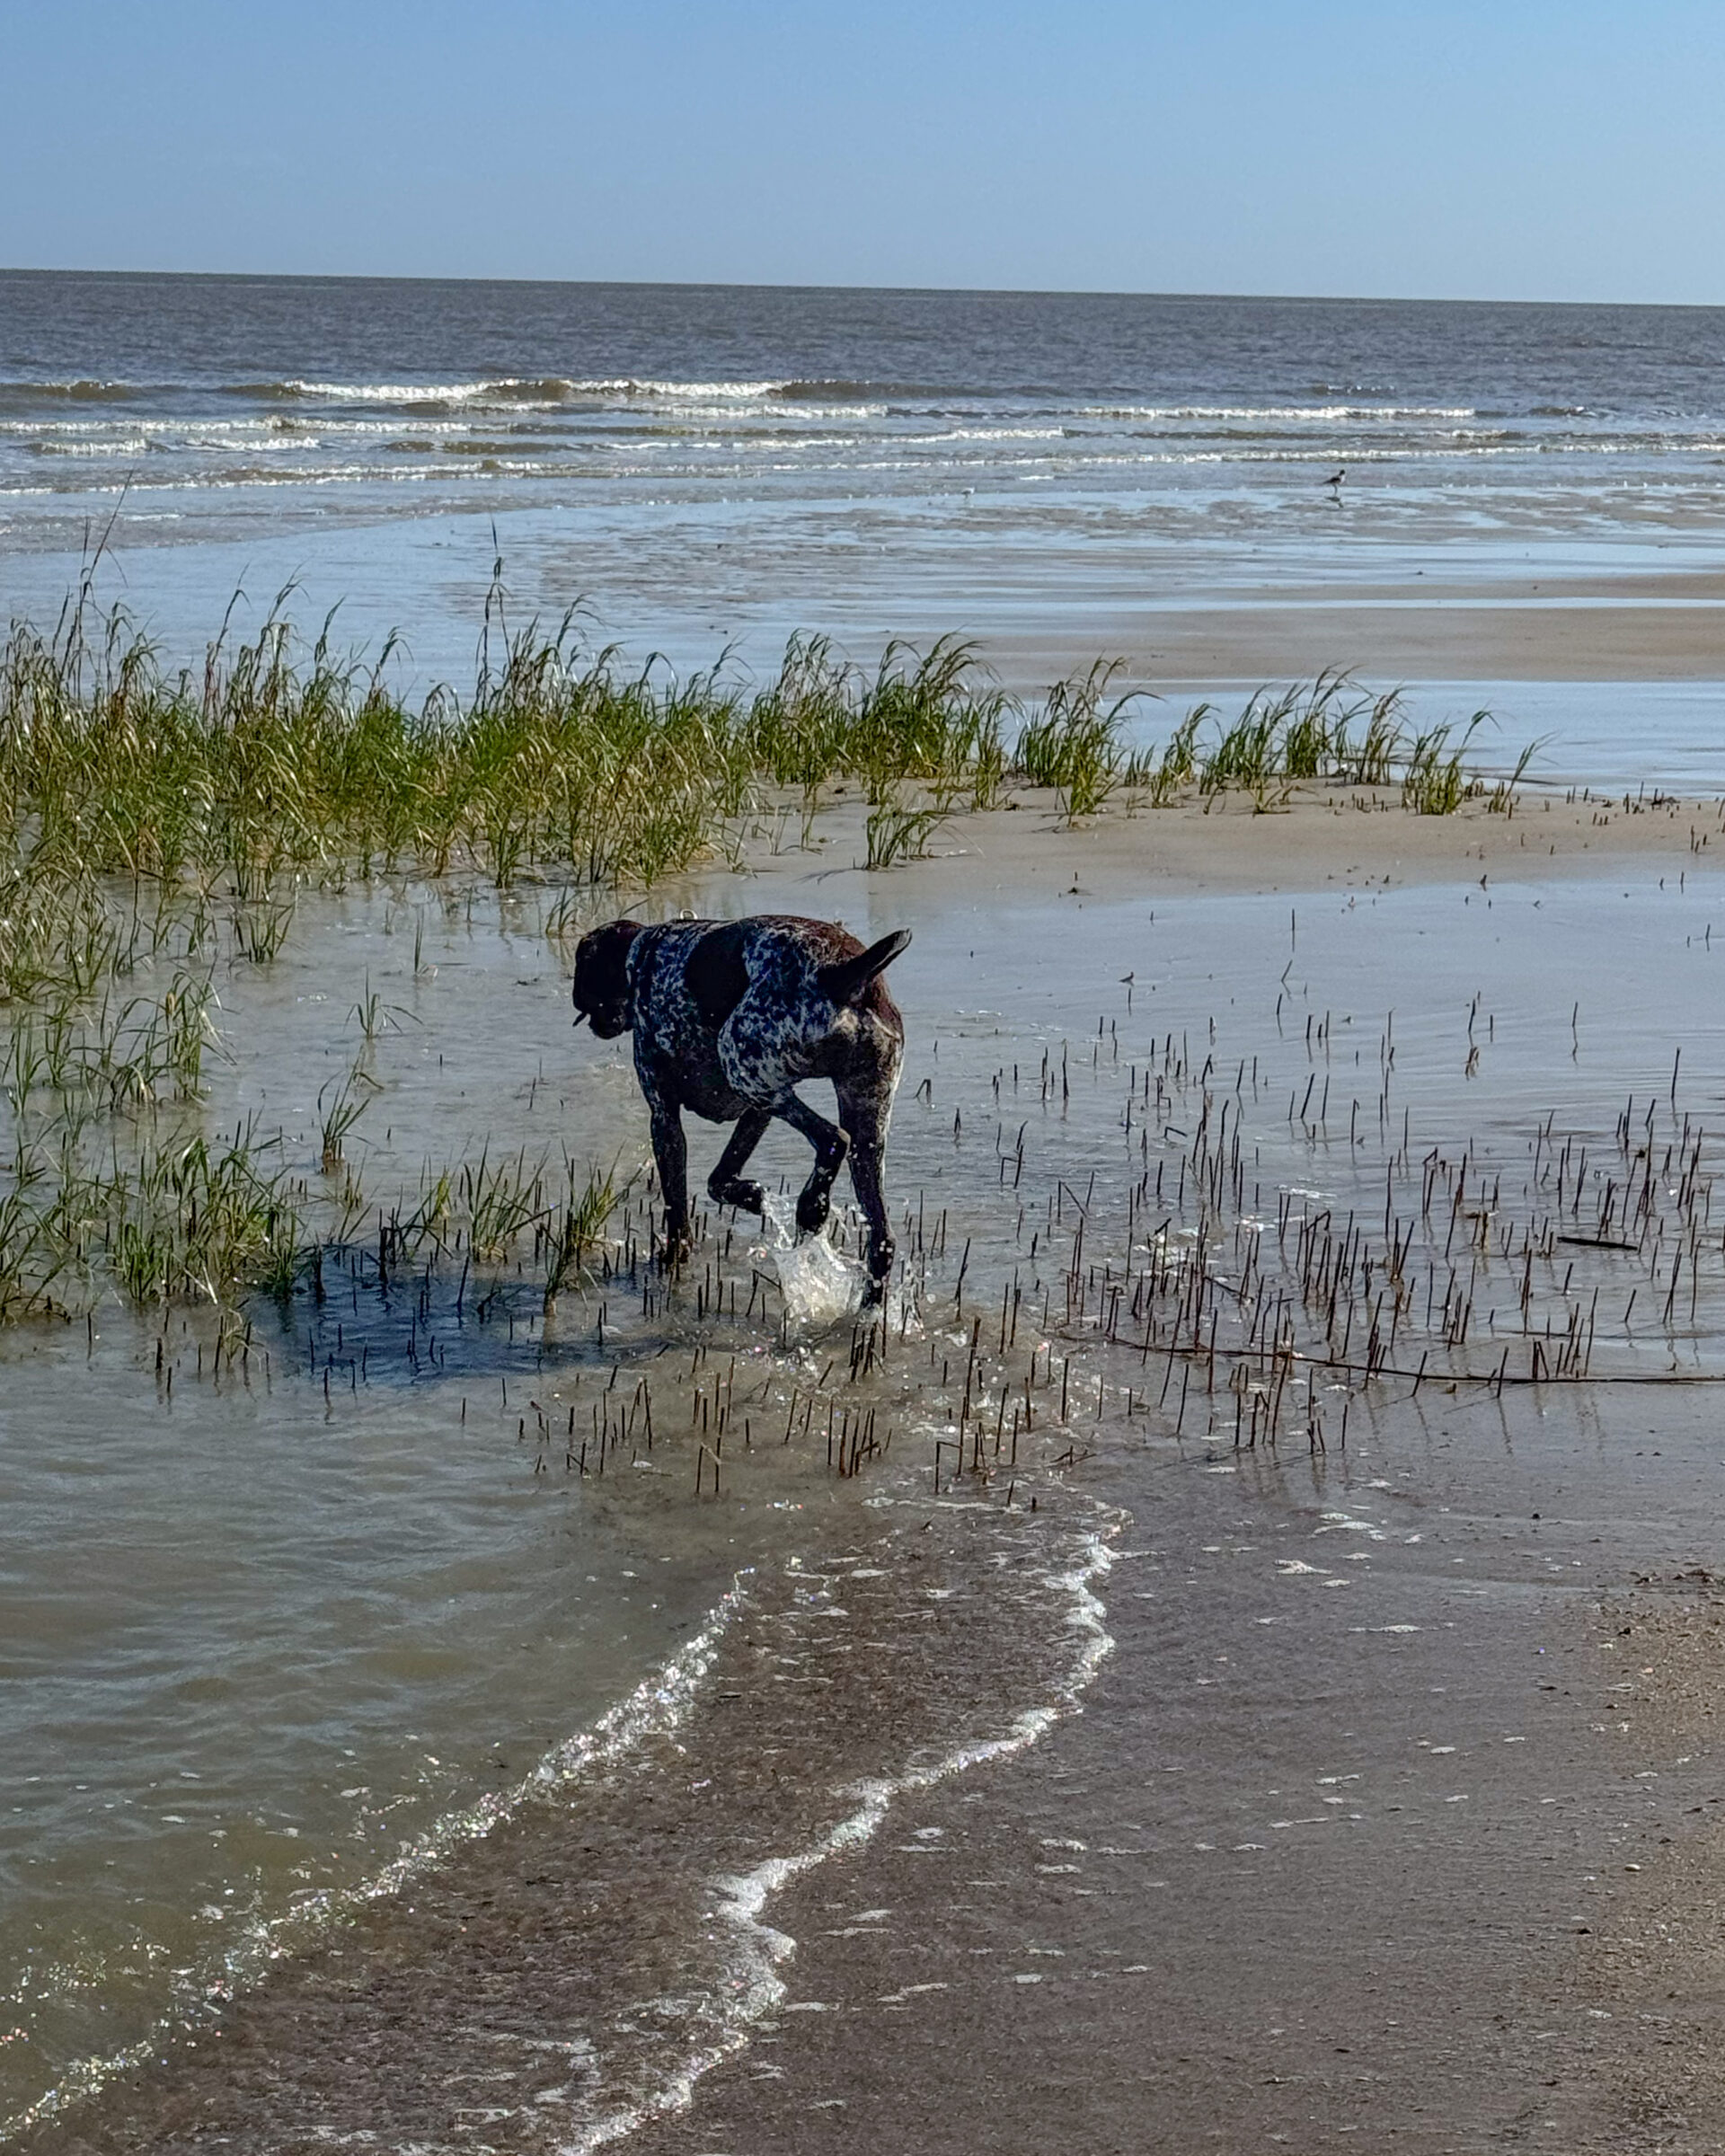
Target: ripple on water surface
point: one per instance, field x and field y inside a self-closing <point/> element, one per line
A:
<point x="277" y="1635"/>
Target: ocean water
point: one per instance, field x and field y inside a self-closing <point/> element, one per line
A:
<point x="330" y="1687"/>
<point x="346" y="1705"/>
<point x="699" y="468"/>
<point x="432" y="1579"/>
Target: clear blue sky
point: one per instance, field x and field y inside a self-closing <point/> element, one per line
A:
<point x="1548" y="149"/>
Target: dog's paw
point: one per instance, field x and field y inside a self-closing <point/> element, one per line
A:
<point x="813" y="1209"/>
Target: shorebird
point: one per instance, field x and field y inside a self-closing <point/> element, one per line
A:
<point x="1336" y="476"/>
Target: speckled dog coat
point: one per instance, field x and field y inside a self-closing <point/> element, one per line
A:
<point x="728" y="1019"/>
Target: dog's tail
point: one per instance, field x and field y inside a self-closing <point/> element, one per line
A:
<point x="844" y="982"/>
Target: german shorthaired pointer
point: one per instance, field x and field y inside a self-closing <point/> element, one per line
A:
<point x="728" y="1018"/>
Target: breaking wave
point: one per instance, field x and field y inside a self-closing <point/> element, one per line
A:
<point x="680" y="1961"/>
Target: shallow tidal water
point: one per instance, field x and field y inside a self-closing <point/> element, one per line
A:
<point x="702" y="472"/>
<point x="350" y="1709"/>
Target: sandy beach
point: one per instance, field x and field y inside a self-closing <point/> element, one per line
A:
<point x="1419" y="1863"/>
<point x="1232" y="1657"/>
<point x="1315" y="839"/>
<point x="1389" y="1820"/>
<point x="1567" y="625"/>
<point x="1386" y="1817"/>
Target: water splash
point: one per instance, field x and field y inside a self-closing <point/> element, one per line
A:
<point x="821" y="1285"/>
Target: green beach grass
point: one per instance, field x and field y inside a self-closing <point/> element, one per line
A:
<point x="156" y="825"/>
<point x="565" y="760"/>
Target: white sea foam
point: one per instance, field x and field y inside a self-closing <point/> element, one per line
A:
<point x="1331" y="412"/>
<point x="517" y="390"/>
<point x="393" y="392"/>
<point x="756" y="1988"/>
<point x="657" y="1706"/>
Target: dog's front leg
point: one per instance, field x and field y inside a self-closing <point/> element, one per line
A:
<point x="671" y="1150"/>
<point x="726" y="1185"/>
<point x="814" y="1202"/>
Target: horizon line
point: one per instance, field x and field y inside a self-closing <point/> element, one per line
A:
<point x="356" y="277"/>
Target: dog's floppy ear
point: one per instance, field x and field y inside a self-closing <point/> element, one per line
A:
<point x="844" y="982"/>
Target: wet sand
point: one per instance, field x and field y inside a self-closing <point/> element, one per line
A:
<point x="1373" y="1830"/>
<point x="1384" y="1854"/>
<point x="1584" y="626"/>
<point x="1315" y="840"/>
<point x="580" y="1965"/>
<point x="1376" y="1827"/>
<point x="1393" y="1819"/>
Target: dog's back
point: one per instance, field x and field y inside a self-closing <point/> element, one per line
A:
<point x="733" y="1012"/>
<point x="812" y="965"/>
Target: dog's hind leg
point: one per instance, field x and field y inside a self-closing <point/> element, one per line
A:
<point x="724" y="1185"/>
<point x="864" y="1113"/>
<point x="672" y="1152"/>
<point x="830" y="1144"/>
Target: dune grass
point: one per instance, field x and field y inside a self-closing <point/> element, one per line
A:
<point x="267" y="767"/>
<point x="158" y="825"/>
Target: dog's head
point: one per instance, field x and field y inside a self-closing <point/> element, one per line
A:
<point x="602" y="978"/>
